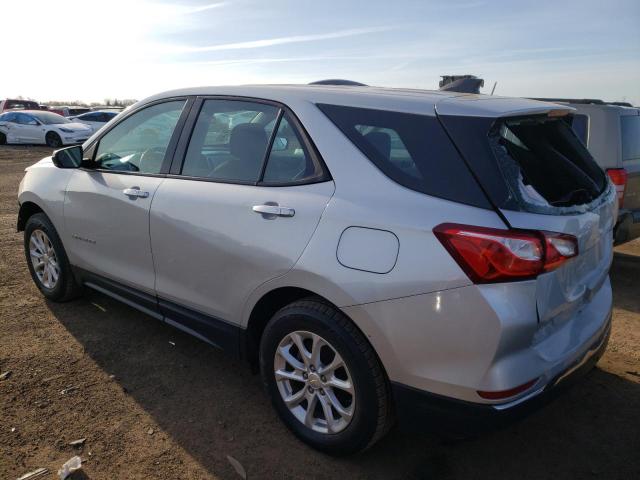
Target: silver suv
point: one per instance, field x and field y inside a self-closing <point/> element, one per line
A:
<point x="379" y="254"/>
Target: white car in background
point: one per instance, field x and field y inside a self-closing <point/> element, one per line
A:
<point x="96" y="120"/>
<point x="39" y="127"/>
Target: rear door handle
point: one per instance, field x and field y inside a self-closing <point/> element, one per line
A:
<point x="135" y="192"/>
<point x="274" y="210"/>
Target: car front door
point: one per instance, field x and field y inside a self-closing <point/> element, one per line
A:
<point x="225" y="221"/>
<point x="107" y="207"/>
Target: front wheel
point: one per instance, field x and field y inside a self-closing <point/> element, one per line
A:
<point x="53" y="140"/>
<point x="324" y="378"/>
<point x="3" y="139"/>
<point x="47" y="260"/>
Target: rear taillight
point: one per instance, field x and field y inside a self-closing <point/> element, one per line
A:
<point x="618" y="177"/>
<point x="490" y="255"/>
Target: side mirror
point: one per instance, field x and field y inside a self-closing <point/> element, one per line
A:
<point x="280" y="144"/>
<point x="70" y="157"/>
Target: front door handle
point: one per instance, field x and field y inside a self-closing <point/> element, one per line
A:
<point x="276" y="210"/>
<point x="135" y="192"/>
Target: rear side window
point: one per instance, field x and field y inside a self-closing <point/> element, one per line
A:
<point x="21" y="104"/>
<point x="289" y="160"/>
<point x="230" y="140"/>
<point x="8" y="117"/>
<point x="413" y="150"/>
<point x="630" y="126"/>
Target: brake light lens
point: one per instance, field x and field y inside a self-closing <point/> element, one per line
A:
<point x="618" y="177"/>
<point x="491" y="255"/>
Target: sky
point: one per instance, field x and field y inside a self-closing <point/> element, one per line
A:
<point x="95" y="49"/>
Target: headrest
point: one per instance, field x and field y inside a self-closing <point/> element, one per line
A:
<point x="248" y="141"/>
<point x="381" y="141"/>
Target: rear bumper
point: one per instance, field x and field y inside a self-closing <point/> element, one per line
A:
<point x="628" y="226"/>
<point x="420" y="410"/>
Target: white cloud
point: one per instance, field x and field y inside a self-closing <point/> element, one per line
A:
<point x="270" y="42"/>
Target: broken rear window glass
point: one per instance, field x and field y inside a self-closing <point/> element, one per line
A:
<point x="545" y="164"/>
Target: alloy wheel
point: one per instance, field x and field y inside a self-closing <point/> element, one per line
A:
<point x="44" y="259"/>
<point x="314" y="382"/>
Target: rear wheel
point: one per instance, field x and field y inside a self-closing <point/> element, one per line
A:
<point x="47" y="260"/>
<point x="53" y="140"/>
<point x="3" y="139"/>
<point x="324" y="379"/>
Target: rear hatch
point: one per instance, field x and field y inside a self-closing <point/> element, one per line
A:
<point x="539" y="176"/>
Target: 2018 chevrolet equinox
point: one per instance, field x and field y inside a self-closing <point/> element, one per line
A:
<point x="375" y="252"/>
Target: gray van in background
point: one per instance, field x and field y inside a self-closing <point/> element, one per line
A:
<point x="611" y="132"/>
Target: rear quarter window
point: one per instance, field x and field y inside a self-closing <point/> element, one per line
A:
<point x="630" y="127"/>
<point x="412" y="150"/>
<point x="580" y="125"/>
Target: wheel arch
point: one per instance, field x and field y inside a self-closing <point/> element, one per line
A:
<point x="272" y="301"/>
<point x="261" y="313"/>
<point x="27" y="210"/>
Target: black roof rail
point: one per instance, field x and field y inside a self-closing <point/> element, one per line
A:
<point x="593" y="101"/>
<point x="586" y="101"/>
<point x="338" y="81"/>
<point x="620" y="104"/>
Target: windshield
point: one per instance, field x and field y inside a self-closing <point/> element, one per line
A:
<point x="48" y="118"/>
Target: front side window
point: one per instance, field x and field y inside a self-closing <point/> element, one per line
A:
<point x="139" y="143"/>
<point x="230" y="140"/>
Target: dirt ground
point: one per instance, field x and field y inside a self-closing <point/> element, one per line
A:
<point x="153" y="402"/>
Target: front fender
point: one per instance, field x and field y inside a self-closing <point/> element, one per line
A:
<point x="44" y="186"/>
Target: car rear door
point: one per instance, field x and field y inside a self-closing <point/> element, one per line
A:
<point x="107" y="207"/>
<point x="224" y="222"/>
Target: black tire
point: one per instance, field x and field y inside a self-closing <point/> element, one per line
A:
<point x="3" y="139"/>
<point x="65" y="288"/>
<point x="373" y="413"/>
<point x="53" y="140"/>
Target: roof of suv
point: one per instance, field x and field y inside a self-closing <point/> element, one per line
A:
<point x="399" y="99"/>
